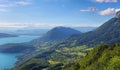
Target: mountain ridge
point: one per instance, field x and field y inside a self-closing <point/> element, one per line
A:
<point x="109" y="33"/>
<point x="57" y="34"/>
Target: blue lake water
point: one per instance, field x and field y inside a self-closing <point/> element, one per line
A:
<point x="19" y="39"/>
<point x="8" y="60"/>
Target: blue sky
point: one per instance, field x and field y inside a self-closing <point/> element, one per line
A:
<point x="52" y="13"/>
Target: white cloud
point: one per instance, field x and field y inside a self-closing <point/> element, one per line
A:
<point x="23" y="3"/>
<point x="89" y="9"/>
<point x="13" y="25"/>
<point x="45" y="25"/>
<point x="107" y="1"/>
<point x="6" y="4"/>
<point x="109" y="11"/>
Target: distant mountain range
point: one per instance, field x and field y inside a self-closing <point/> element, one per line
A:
<point x="57" y="34"/>
<point x="30" y="31"/>
<point x="51" y="38"/>
<point x="3" y="35"/>
<point x="38" y="31"/>
<point x="24" y="31"/>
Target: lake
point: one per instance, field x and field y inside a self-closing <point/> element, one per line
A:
<point x="19" y="39"/>
<point x="8" y="60"/>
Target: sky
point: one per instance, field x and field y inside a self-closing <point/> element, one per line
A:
<point x="52" y="13"/>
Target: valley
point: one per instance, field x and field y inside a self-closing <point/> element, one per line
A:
<point x="64" y="54"/>
<point x="59" y="35"/>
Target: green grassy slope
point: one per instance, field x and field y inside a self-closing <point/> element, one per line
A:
<point x="54" y="59"/>
<point x="103" y="57"/>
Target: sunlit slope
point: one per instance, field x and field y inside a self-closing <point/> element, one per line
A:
<point x="103" y="57"/>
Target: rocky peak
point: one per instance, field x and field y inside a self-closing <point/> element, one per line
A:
<point x="118" y="14"/>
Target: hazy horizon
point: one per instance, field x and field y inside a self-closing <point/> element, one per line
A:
<point x="52" y="13"/>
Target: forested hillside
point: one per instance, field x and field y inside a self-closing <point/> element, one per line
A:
<point x="108" y="33"/>
<point x="103" y="57"/>
<point x="53" y="59"/>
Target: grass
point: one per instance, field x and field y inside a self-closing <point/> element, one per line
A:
<point x="53" y="62"/>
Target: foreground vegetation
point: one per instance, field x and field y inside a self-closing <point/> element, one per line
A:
<point x="54" y="59"/>
<point x="102" y="57"/>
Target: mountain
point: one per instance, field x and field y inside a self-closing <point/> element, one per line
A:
<point x="118" y="14"/>
<point x="108" y="33"/>
<point x="56" y="34"/>
<point x="102" y="57"/>
<point x="2" y="35"/>
<point x="24" y="31"/>
<point x="59" y="33"/>
<point x="30" y="31"/>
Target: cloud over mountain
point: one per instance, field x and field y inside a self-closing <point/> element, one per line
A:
<point x="108" y="11"/>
